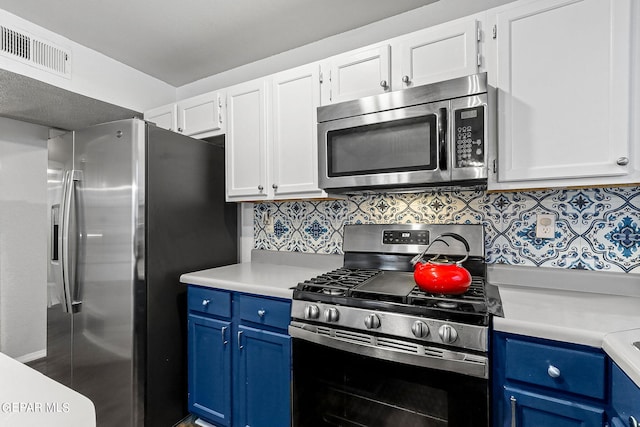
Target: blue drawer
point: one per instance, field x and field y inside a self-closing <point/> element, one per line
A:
<point x="209" y="301"/>
<point x="265" y="311"/>
<point x="562" y="369"/>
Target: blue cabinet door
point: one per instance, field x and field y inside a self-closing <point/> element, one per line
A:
<point x="209" y="352"/>
<point x="264" y="378"/>
<point x="535" y="410"/>
<point x="625" y="395"/>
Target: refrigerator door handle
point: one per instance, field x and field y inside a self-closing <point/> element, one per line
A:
<point x="55" y="232"/>
<point x="69" y="238"/>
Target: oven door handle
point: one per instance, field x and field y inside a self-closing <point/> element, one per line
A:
<point x="442" y="139"/>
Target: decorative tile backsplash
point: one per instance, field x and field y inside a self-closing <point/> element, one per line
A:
<point x="595" y="229"/>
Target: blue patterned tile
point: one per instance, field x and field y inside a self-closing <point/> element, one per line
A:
<point x="596" y="229"/>
<point x="613" y="242"/>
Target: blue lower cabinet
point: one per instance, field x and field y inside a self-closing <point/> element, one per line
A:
<point x="239" y="358"/>
<point x="210" y="369"/>
<point x="625" y="397"/>
<point x="264" y="378"/>
<point x="535" y="410"/>
<point x="544" y="383"/>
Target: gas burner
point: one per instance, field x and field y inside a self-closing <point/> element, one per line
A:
<point x="449" y="305"/>
<point x="333" y="291"/>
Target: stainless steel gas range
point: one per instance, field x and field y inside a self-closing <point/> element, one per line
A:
<point x="372" y="349"/>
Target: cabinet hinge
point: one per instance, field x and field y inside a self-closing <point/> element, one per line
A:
<point x="494" y="166"/>
<point x="494" y="32"/>
<point x="330" y="95"/>
<point x="479" y="61"/>
<point x="478" y="32"/>
<point x="321" y="78"/>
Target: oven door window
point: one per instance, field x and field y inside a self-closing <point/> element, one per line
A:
<point x="333" y="388"/>
<point x="400" y="145"/>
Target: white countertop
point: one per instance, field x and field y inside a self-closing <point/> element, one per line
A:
<point x="29" y="398"/>
<point x="268" y="274"/>
<point x="591" y="308"/>
<point x="254" y="278"/>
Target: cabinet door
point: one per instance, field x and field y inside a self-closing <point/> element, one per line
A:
<point x="439" y="53"/>
<point x="524" y="409"/>
<point x="353" y="75"/>
<point x="165" y="117"/>
<point x="296" y="96"/>
<point x="264" y="378"/>
<point x="209" y="355"/>
<point x="625" y="395"/>
<point x="563" y="92"/>
<point x="246" y="141"/>
<point x="201" y="114"/>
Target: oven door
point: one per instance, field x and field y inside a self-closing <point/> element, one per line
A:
<point x="332" y="387"/>
<point x="402" y="147"/>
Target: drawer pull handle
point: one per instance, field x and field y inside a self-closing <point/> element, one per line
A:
<point x="513" y="411"/>
<point x="261" y="312"/>
<point x="205" y="302"/>
<point x="553" y="371"/>
<point x="633" y="422"/>
<point x="223" y="331"/>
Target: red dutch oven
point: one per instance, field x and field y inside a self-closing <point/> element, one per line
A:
<point x="442" y="275"/>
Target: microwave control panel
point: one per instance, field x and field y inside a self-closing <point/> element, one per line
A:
<point x="469" y="137"/>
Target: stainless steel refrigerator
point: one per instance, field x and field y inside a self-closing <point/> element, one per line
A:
<point x="131" y="207"/>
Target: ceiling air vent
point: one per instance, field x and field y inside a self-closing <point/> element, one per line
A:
<point x="34" y="51"/>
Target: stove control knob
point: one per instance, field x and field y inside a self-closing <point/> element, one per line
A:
<point x="447" y="334"/>
<point x="372" y="321"/>
<point x="331" y="314"/>
<point x="311" y="311"/>
<point x="420" y="329"/>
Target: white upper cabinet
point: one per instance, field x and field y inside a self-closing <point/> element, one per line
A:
<point x="296" y="97"/>
<point x="202" y="115"/>
<point x="355" y="74"/>
<point x="441" y="52"/>
<point x="438" y="53"/>
<point x="271" y="140"/>
<point x="246" y="152"/>
<point x="165" y="117"/>
<point x="564" y="80"/>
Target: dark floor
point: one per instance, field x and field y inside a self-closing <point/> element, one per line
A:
<point x="39" y="365"/>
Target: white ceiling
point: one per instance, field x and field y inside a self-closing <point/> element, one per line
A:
<point x="183" y="41"/>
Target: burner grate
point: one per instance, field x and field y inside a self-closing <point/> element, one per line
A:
<point x="343" y="287"/>
<point x="472" y="301"/>
<point x="341" y="279"/>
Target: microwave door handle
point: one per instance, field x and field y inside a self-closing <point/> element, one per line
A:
<point x="442" y="138"/>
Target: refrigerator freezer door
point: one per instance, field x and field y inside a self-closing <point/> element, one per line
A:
<point x="107" y="211"/>
<point x="59" y="322"/>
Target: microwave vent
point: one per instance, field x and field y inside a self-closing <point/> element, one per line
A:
<point x="40" y="53"/>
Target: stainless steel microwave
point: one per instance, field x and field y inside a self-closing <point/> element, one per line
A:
<point x="436" y="134"/>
